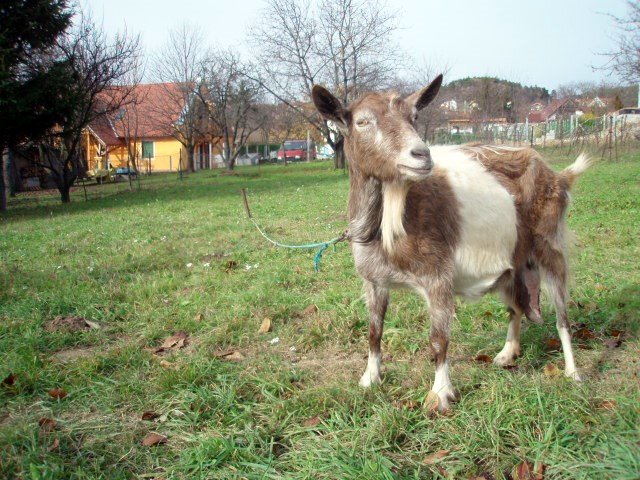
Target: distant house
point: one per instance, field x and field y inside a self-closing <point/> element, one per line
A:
<point x="449" y="105"/>
<point x="561" y="108"/>
<point x="147" y="125"/>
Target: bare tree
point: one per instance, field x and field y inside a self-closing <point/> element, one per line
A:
<point x="230" y="101"/>
<point x="96" y="63"/>
<point x="177" y="66"/>
<point x="625" y="60"/>
<point x="345" y="44"/>
<point x="128" y="119"/>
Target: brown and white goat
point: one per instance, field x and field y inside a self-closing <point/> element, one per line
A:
<point x="449" y="220"/>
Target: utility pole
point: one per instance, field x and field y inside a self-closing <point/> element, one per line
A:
<point x="308" y="147"/>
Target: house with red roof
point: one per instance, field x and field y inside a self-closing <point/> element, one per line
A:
<point x="153" y="127"/>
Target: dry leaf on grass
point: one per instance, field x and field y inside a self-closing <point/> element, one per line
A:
<point x="310" y="310"/>
<point x="553" y="344"/>
<point x="231" y="356"/>
<point x="526" y="471"/>
<point x="312" y="422"/>
<point x="407" y="403"/>
<point x="168" y="365"/>
<point x="54" y="445"/>
<point x="584" y="334"/>
<point x="551" y="370"/>
<point x="230" y="265"/>
<point x="150" y="416"/>
<point x="199" y="317"/>
<point x="483" y="359"/>
<point x="607" y="405"/>
<point x="57" y="393"/>
<point x="9" y="381"/>
<point x="174" y="342"/>
<point x="435" y="457"/>
<point x="616" y="333"/>
<point x="266" y="326"/>
<point x="47" y="425"/>
<point x="154" y="439"/>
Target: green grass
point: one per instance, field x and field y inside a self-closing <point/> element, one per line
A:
<point x="120" y="259"/>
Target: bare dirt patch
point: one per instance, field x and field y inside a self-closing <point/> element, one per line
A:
<point x="72" y="354"/>
<point x="70" y="324"/>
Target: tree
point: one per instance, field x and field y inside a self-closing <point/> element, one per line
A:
<point x="94" y="64"/>
<point x="625" y="60"/>
<point x="178" y="65"/>
<point x="230" y="100"/>
<point x="344" y="44"/>
<point x="29" y="85"/>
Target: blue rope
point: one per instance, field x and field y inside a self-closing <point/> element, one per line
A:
<point x="321" y="246"/>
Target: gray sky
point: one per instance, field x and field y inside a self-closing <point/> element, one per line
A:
<point x="534" y="42"/>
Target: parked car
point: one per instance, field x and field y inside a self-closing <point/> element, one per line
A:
<point x="126" y="171"/>
<point x="296" y="150"/>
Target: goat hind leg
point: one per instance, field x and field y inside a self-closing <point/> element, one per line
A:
<point x="511" y="349"/>
<point x="377" y="300"/>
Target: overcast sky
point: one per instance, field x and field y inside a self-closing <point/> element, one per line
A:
<point x="534" y="42"/>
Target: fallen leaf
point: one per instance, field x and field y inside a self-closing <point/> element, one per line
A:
<point x="312" y="422"/>
<point x="612" y="342"/>
<point x="432" y="402"/>
<point x="553" y="344"/>
<point x="483" y="359"/>
<point x="176" y="341"/>
<point x="488" y="314"/>
<point x="483" y="476"/>
<point x="199" y="317"/>
<point x="616" y="333"/>
<point x="47" y="425"/>
<point x="154" y="439"/>
<point x="266" y="326"/>
<point x="435" y="457"/>
<point x="55" y="444"/>
<point x="150" y="416"/>
<point x="607" y="404"/>
<point x="165" y="364"/>
<point x="551" y="370"/>
<point x="310" y="310"/>
<point x="584" y="346"/>
<point x="9" y="381"/>
<point x="230" y="265"/>
<point x="526" y="471"/>
<point x="233" y="357"/>
<point x="584" y="334"/>
<point x="599" y="287"/>
<point x="57" y="393"/>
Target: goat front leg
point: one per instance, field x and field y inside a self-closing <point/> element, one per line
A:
<point x="442" y="311"/>
<point x="377" y="297"/>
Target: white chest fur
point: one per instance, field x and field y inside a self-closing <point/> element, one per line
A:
<point x="488" y="232"/>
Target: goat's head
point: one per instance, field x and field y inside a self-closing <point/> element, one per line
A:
<point x="379" y="130"/>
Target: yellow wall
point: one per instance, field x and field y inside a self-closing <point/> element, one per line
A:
<point x="166" y="156"/>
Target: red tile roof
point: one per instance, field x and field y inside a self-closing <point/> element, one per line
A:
<point x="153" y="109"/>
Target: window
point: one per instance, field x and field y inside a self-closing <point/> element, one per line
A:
<point x="147" y="149"/>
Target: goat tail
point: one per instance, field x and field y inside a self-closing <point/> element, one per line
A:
<point x="573" y="171"/>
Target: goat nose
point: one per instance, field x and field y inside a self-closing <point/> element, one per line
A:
<point x="421" y="153"/>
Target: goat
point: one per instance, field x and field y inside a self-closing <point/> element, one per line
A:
<point x="449" y="220"/>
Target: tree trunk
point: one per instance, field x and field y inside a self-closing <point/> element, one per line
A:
<point x="339" y="158"/>
<point x="65" y="193"/>
<point x="3" y="187"/>
<point x="191" y="158"/>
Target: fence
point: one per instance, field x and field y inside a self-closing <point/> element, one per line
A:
<point x="609" y="133"/>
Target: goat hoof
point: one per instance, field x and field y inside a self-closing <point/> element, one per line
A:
<point x="439" y="401"/>
<point x="575" y="376"/>
<point x="367" y="380"/>
<point x="505" y="359"/>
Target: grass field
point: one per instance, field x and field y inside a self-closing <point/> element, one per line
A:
<point x="180" y="256"/>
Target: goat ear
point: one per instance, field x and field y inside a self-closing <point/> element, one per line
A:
<point x="330" y="107"/>
<point x="424" y="97"/>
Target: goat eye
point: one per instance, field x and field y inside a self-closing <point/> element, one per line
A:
<point x="362" y="123"/>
